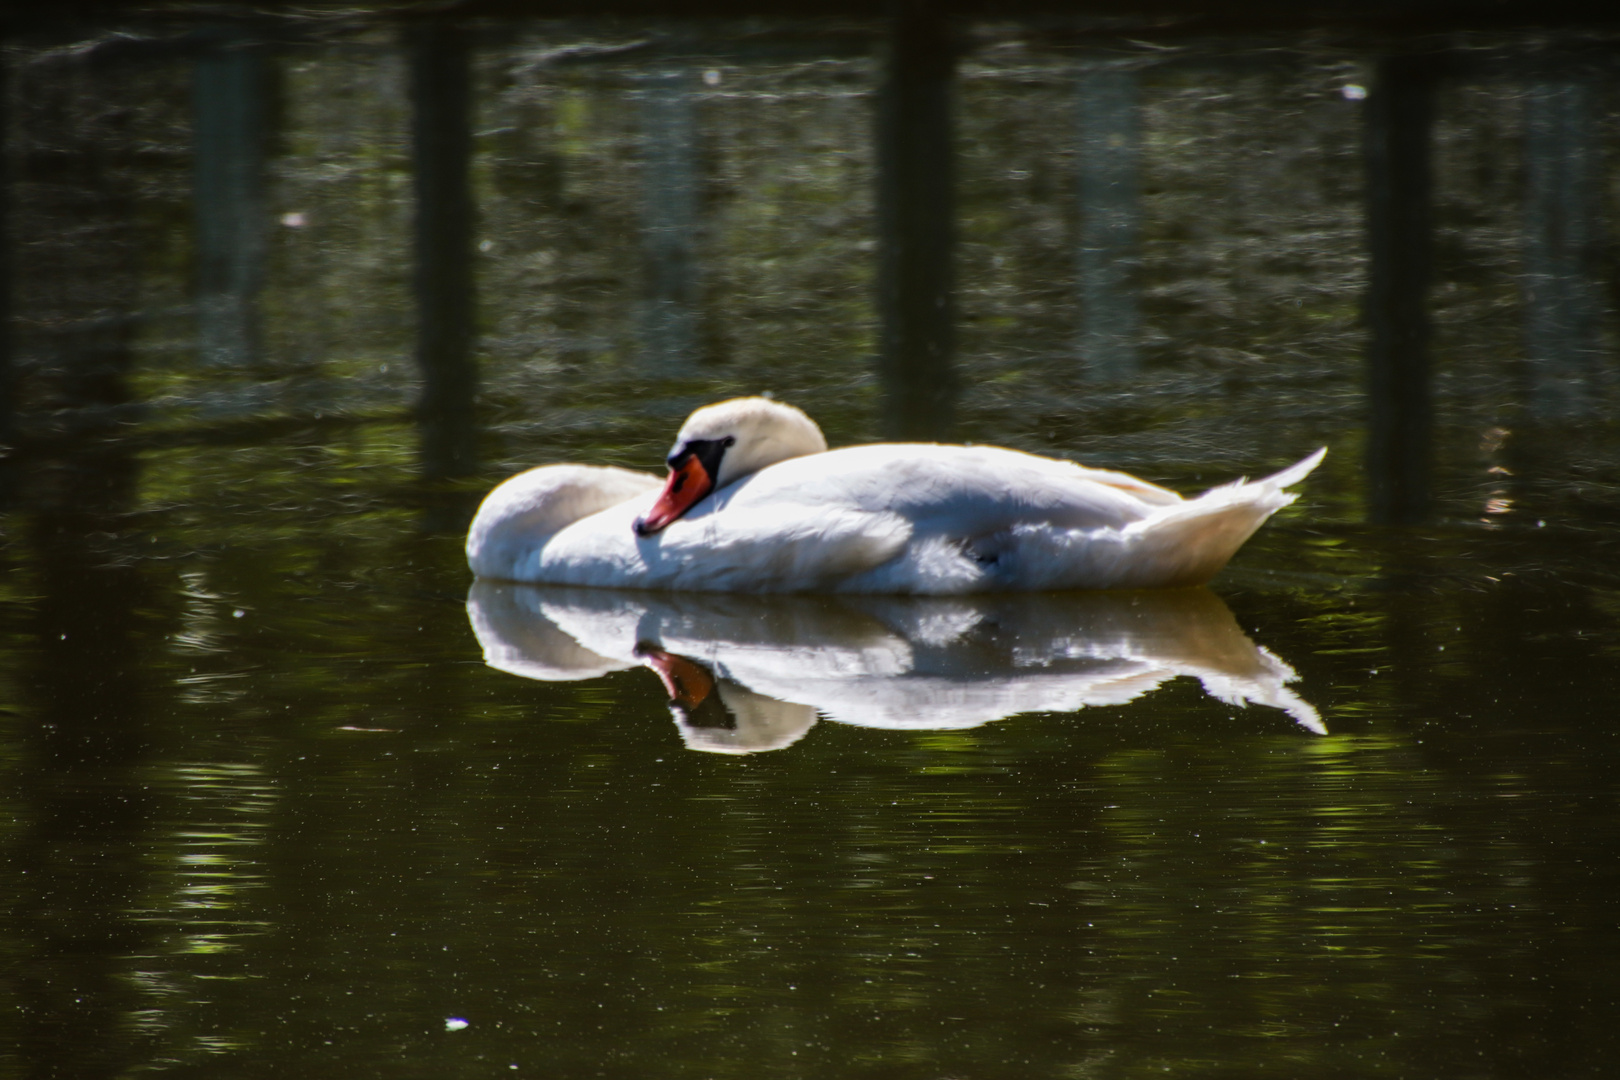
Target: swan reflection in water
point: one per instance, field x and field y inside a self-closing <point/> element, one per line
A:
<point x="750" y="673"/>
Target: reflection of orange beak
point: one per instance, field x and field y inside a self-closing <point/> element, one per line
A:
<point x="687" y="683"/>
<point x="687" y="484"/>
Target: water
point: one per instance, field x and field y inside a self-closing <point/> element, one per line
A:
<point x="286" y="795"/>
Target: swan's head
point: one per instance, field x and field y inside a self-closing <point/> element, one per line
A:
<point x="720" y="444"/>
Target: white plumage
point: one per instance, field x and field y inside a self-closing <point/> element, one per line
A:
<point x="776" y="663"/>
<point x="787" y="515"/>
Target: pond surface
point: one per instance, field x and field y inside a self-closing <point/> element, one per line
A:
<point x="288" y="794"/>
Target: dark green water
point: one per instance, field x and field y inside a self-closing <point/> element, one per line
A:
<point x="269" y="812"/>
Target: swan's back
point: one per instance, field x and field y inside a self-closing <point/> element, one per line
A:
<point x="962" y="491"/>
<point x="981" y="519"/>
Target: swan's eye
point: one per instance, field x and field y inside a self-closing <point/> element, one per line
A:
<point x="707" y="451"/>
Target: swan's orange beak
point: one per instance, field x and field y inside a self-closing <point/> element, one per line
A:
<point x="688" y="483"/>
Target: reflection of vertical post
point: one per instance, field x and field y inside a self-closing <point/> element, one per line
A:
<point x="1561" y="224"/>
<point x="441" y="100"/>
<point x="229" y="90"/>
<point x="86" y="804"/>
<point x="1110" y="221"/>
<point x="1399" y="114"/>
<point x="88" y="810"/>
<point x="8" y="384"/>
<point x="915" y="207"/>
<point x="669" y="218"/>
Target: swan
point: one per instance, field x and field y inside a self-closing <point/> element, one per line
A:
<point x="755" y="502"/>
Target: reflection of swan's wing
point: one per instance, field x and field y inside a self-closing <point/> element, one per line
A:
<point x="928" y="620"/>
<point x="1176" y="625"/>
<point x="1065" y="638"/>
<point x="610" y="630"/>
<point x="754" y="723"/>
<point x="810" y="635"/>
<point x="743" y="663"/>
<point x="940" y="703"/>
<point x="517" y="638"/>
<point x="1191" y="633"/>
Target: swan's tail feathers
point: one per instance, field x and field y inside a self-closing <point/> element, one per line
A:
<point x="1295" y="472"/>
<point x="1184" y="544"/>
<point x="1190" y="543"/>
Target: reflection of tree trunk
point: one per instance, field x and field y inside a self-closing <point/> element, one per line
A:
<point x="1399" y="115"/>
<point x="87" y="808"/>
<point x="230" y="92"/>
<point x="915" y="205"/>
<point x="8" y="384"/>
<point x="1110" y="221"/>
<point x="441" y="97"/>
<point x="1561" y="242"/>
<point x="669" y="221"/>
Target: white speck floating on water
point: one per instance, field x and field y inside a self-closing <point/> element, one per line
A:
<point x="1353" y="92"/>
<point x="456" y="1023"/>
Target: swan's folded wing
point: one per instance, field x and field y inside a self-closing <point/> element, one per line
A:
<point x="794" y="547"/>
<point x="1152" y="494"/>
<point x="789" y="547"/>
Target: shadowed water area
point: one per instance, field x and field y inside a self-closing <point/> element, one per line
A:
<point x="287" y="794"/>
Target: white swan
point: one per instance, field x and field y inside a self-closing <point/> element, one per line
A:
<point x="755" y="502"/>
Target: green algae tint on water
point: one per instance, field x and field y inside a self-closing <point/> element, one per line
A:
<point x="288" y="795"/>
